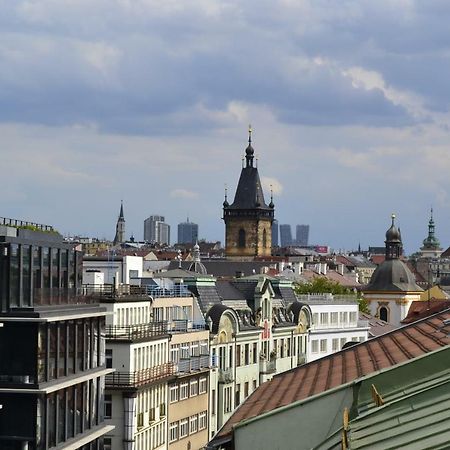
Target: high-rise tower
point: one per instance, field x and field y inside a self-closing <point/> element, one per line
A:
<point x="119" y="238"/>
<point x="248" y="220"/>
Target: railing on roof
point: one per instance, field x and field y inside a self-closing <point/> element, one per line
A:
<point x="327" y="298"/>
<point x="226" y="375"/>
<point x="111" y="291"/>
<point x="16" y="223"/>
<point x="178" y="290"/>
<point x="134" y="332"/>
<point x="139" y="378"/>
<point x="268" y="366"/>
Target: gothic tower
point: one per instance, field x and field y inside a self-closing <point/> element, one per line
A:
<point x="120" y="228"/>
<point x="248" y="220"/>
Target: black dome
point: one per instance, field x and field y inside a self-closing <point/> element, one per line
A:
<point x="393" y="275"/>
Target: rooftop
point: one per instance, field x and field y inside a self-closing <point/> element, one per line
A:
<point x="379" y="353"/>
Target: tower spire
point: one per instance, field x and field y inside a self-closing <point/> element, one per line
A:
<point x="249" y="152"/>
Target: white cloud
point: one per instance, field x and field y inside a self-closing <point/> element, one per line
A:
<point x="183" y="193"/>
<point x="270" y="183"/>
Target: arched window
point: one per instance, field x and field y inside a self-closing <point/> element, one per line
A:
<point x="264" y="240"/>
<point x="383" y="313"/>
<point x="241" y="240"/>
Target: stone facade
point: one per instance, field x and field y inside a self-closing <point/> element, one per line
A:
<point x="257" y="243"/>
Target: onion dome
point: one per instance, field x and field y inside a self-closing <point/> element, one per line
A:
<point x="393" y="234"/>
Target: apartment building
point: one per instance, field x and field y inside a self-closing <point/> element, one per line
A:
<point x="52" y="364"/>
<point x="335" y="322"/>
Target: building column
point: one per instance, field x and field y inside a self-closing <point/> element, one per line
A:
<point x="129" y="409"/>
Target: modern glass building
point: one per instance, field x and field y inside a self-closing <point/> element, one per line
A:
<point x="187" y="232"/>
<point x="52" y="363"/>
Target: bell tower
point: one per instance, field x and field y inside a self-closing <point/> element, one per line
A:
<point x="248" y="220"/>
<point x="119" y="238"/>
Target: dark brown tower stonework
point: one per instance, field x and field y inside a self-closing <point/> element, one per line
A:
<point x="248" y="220"/>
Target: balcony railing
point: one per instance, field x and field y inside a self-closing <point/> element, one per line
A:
<point x="178" y="290"/>
<point x="111" y="291"/>
<point x="226" y="375"/>
<point x="135" y="332"/>
<point x="268" y="366"/>
<point x="139" y="378"/>
<point x="193" y="363"/>
<point x="184" y="325"/>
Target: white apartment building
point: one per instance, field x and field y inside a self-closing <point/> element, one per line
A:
<point x="335" y="321"/>
<point x="136" y="393"/>
<point x="116" y="270"/>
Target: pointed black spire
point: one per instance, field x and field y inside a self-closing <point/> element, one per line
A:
<point x="249" y="152"/>
<point x="121" y="216"/>
<point x="225" y="202"/>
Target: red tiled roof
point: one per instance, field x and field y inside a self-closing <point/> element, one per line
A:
<point x="421" y="309"/>
<point x="381" y="352"/>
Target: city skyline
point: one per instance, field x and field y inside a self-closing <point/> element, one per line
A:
<point x="347" y="125"/>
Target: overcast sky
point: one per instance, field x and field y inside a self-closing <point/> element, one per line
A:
<point x="149" y="101"/>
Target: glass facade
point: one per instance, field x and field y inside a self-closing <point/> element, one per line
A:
<point x="38" y="275"/>
<point x="58" y="343"/>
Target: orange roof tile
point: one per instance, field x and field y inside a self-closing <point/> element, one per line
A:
<point x="381" y="352"/>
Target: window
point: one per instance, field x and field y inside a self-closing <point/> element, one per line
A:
<point x="343" y="341"/>
<point x="107" y="444"/>
<point x="184" y="391"/>
<point x="213" y="402"/>
<point x="202" y="420"/>
<point x="264" y="239"/>
<point x="324" y="318"/>
<point x="383" y="312"/>
<point x="315" y="346"/>
<point x="237" y="399"/>
<point x="108" y="406"/>
<point x="255" y="353"/>
<point x="346" y="317"/>
<point x="193" y="424"/>
<point x="194" y="388"/>
<point x="203" y="385"/>
<point x="316" y="319"/>
<point x="173" y="432"/>
<point x="238" y="355"/>
<point x="254" y="385"/>
<point x="108" y="358"/>
<point x="335" y="345"/>
<point x="334" y="318"/>
<point x="241" y="238"/>
<point x="323" y="345"/>
<point x="228" y="400"/>
<point x="361" y="339"/>
<point x="173" y="394"/>
<point x="183" y="428"/>
<point x="246" y="389"/>
<point x="353" y="318"/>
<point x="247" y="354"/>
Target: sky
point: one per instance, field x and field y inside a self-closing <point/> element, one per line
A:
<point x="149" y="102"/>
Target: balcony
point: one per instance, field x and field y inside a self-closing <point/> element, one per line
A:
<point x="226" y="375"/>
<point x="178" y="290"/>
<point x="139" y="378"/>
<point x="184" y="326"/>
<point x="109" y="291"/>
<point x="187" y="365"/>
<point x="136" y="332"/>
<point x="267" y="366"/>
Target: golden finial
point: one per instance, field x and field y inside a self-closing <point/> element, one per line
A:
<point x="249" y="133"/>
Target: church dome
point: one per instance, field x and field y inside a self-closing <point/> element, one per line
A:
<point x="393" y="275"/>
<point x="393" y="234"/>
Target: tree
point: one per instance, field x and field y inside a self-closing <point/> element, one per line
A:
<point x="322" y="285"/>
